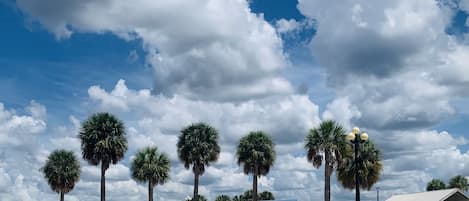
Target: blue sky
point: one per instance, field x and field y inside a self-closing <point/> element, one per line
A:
<point x="398" y="69"/>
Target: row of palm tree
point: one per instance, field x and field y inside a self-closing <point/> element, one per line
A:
<point x="458" y="181"/>
<point x="103" y="142"/>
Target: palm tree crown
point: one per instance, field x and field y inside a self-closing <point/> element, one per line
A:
<point x="436" y="184"/>
<point x="256" y="153"/>
<point x="149" y="165"/>
<point x="459" y="182"/>
<point x="198" y="146"/>
<point x="103" y="141"/>
<point x="62" y="171"/>
<point x="369" y="167"/>
<point x="326" y="143"/>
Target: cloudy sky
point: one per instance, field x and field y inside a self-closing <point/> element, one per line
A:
<point x="398" y="69"/>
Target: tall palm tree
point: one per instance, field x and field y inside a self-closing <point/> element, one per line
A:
<point x="198" y="147"/>
<point x="458" y="182"/>
<point x="62" y="171"/>
<point x="436" y="184"/>
<point x="256" y="153"/>
<point x="326" y="143"/>
<point x="369" y="167"/>
<point x="149" y="165"/>
<point x="103" y="141"/>
<point x="223" y="198"/>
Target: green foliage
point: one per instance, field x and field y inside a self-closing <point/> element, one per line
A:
<point x="223" y="198"/>
<point x="256" y="150"/>
<point x="458" y="182"/>
<point x="198" y="146"/>
<point x="62" y="171"/>
<point x="266" y="195"/>
<point x="370" y="166"/>
<point x="149" y="165"/>
<point x="328" y="137"/>
<point x="247" y="195"/>
<point x="199" y="198"/>
<point x="238" y="198"/>
<point x="436" y="184"/>
<point x="103" y="139"/>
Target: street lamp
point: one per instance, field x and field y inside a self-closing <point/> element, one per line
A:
<point x="357" y="137"/>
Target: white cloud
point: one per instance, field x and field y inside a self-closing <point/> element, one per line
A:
<point x="286" y="118"/>
<point x="341" y="111"/>
<point x="392" y="59"/>
<point x="284" y="26"/>
<point x="224" y="52"/>
<point x="15" y="128"/>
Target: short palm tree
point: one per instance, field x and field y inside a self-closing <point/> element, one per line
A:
<point x="436" y="184"/>
<point x="62" y="171"/>
<point x="256" y="153"/>
<point x="103" y="141"/>
<point x="369" y="167"/>
<point x="149" y="165"/>
<point x="198" y="147"/>
<point x="326" y="143"/>
<point x="458" y="182"/>
<point x="223" y="198"/>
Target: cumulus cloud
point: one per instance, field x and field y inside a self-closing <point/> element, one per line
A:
<point x="203" y="49"/>
<point x="391" y="64"/>
<point x="15" y="128"/>
<point x="286" y="118"/>
<point x="392" y="59"/>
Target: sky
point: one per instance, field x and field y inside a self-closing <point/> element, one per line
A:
<point x="398" y="69"/>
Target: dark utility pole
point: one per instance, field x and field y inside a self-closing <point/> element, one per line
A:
<point x="357" y="184"/>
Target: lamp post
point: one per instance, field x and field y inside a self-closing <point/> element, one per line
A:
<point x="357" y="137"/>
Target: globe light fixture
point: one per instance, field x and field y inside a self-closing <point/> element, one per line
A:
<point x="351" y="136"/>
<point x="364" y="136"/>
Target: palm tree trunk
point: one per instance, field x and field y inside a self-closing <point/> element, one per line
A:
<point x="61" y="196"/>
<point x="327" y="177"/>
<point x="196" y="185"/>
<point x="254" y="184"/>
<point x="103" y="183"/>
<point x="150" y="190"/>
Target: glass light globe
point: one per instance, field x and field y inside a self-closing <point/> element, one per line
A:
<point x="355" y="130"/>
<point x="350" y="137"/>
<point x="364" y="136"/>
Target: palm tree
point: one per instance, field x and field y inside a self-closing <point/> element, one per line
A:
<point x="266" y="195"/>
<point x="257" y="154"/>
<point x="370" y="166"/>
<point x="198" y="146"/>
<point x="436" y="184"/>
<point x="62" y="171"/>
<point x="458" y="182"/>
<point x="149" y="165"/>
<point x="222" y="198"/>
<point x="103" y="141"/>
<point x="326" y="143"/>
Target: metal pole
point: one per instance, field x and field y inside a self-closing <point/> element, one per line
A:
<point x="377" y="193"/>
<point x="357" y="185"/>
